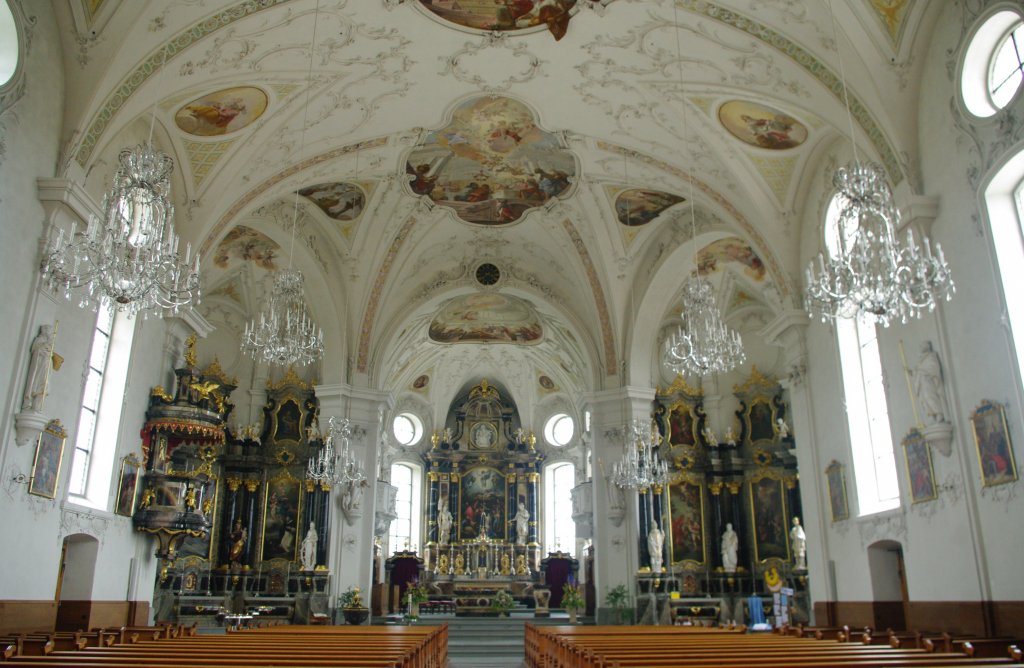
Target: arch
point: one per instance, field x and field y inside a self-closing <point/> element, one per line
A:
<point x="75" y="583"/>
<point x="888" y="584"/>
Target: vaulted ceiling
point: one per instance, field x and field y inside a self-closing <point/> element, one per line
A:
<point x="406" y="145"/>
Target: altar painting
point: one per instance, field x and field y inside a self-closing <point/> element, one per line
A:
<point x="681" y="426"/>
<point x="768" y="508"/>
<point x="281" y="518"/>
<point x="637" y="207"/>
<point x="761" y="422"/>
<point x="482" y="504"/>
<point x="491" y="163"/>
<point x="486" y="318"/>
<point x="686" y="512"/>
<point x="288" y="422"/>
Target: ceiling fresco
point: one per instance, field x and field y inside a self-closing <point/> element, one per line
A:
<point x="637" y="207"/>
<point x="247" y="245"/>
<point x="730" y="249"/>
<point x="492" y="163"/>
<point x="340" y="201"/>
<point x="486" y="317"/>
<point x="506" y="15"/>
<point x="762" y="126"/>
<point x="222" y="112"/>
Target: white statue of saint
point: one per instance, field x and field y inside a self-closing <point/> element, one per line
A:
<point x="444" y="521"/>
<point x="307" y="552"/>
<point x="710" y="438"/>
<point x="730" y="436"/>
<point x="782" y="428"/>
<point x="655" y="543"/>
<point x="522" y="524"/>
<point x="730" y="546"/>
<point x="798" y="543"/>
<point x="38" y="369"/>
<point x="931" y="395"/>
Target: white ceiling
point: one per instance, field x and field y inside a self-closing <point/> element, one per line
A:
<point x="632" y="91"/>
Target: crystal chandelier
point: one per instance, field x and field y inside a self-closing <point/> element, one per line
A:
<point x="641" y="466"/>
<point x="702" y="344"/>
<point x="284" y="333"/>
<point x="869" y="274"/>
<point x="336" y="466"/>
<point x="130" y="258"/>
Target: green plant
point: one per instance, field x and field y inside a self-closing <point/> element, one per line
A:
<point x="351" y="598"/>
<point x="572" y="597"/>
<point x="618" y="598"/>
<point x="503" y="601"/>
<point x="416" y="592"/>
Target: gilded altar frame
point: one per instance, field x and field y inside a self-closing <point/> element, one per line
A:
<point x="768" y="515"/>
<point x="282" y="513"/>
<point x="688" y="546"/>
<point x="759" y="408"/>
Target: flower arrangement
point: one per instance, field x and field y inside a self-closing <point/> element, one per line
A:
<point x="572" y="597"/>
<point x="415" y="592"/>
<point x="618" y="598"/>
<point x="351" y="598"/>
<point x="503" y="601"/>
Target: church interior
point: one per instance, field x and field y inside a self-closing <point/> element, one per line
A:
<point x="691" y="312"/>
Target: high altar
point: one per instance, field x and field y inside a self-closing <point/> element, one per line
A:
<point x="482" y="500"/>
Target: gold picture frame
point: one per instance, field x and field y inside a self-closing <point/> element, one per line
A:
<point x="687" y="538"/>
<point x="920" y="473"/>
<point x="127" y="486"/>
<point x="769" y="514"/>
<point x="835" y="476"/>
<point x="48" y="460"/>
<point x="992" y="442"/>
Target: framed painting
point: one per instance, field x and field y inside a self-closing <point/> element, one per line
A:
<point x="835" y="475"/>
<point x="686" y="518"/>
<point x="768" y="510"/>
<point x="49" y="456"/>
<point x="919" y="467"/>
<point x="682" y="425"/>
<point x="482" y="504"/>
<point x="127" y="486"/>
<point x="281" y="518"/>
<point x="288" y="422"/>
<point x="992" y="438"/>
<point x="760" y="418"/>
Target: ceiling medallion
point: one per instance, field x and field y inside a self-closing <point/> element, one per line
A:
<point x="510" y="16"/>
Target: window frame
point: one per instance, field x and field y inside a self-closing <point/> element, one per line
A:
<point x="415" y="489"/>
<point x="558" y="512"/>
<point x="977" y="60"/>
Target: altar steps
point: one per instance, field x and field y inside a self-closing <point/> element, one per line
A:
<point x="489" y="642"/>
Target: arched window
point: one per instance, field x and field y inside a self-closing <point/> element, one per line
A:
<point x="99" y="420"/>
<point x="1004" y="200"/>
<point x="867" y="411"/>
<point x="993" y="66"/>
<point x="9" y="53"/>
<point x="559" y="528"/>
<point x="405" y="528"/>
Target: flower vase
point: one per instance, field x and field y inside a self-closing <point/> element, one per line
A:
<point x="414" y="609"/>
<point x="355" y="615"/>
<point x="572" y="615"/>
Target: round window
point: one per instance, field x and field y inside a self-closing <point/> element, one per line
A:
<point x="407" y="428"/>
<point x="559" y="429"/>
<point x="8" y="44"/>
<point x="993" y="65"/>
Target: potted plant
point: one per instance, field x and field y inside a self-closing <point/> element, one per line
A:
<point x="502" y="603"/>
<point x="352" y="608"/>
<point x="572" y="600"/>
<point x="618" y="598"/>
<point x="415" y="593"/>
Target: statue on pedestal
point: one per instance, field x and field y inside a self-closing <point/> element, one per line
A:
<point x="730" y="546"/>
<point x="931" y="395"/>
<point x="42" y="358"/>
<point x="798" y="543"/>
<point x="655" y="544"/>
<point x="522" y="524"/>
<point x="444" y="521"/>
<point x="307" y="553"/>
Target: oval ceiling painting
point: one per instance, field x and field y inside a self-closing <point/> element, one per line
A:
<point x="762" y="126"/>
<point x="491" y="163"/>
<point x="222" y="112"/>
<point x="246" y="244"/>
<point x="340" y="201"/>
<point x="637" y="207"/>
<point x="486" y="318"/>
<point x="731" y="249"/>
<point x="505" y="15"/>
